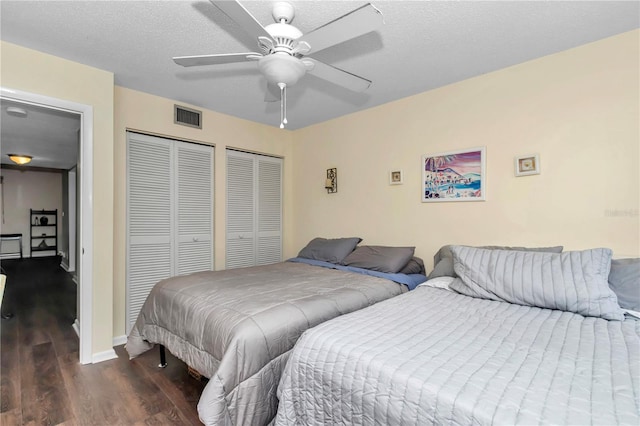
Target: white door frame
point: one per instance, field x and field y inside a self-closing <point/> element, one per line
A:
<point x="71" y="219"/>
<point x="85" y="284"/>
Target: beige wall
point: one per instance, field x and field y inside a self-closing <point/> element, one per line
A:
<point x="578" y="109"/>
<point x="25" y="190"/>
<point x="36" y="72"/>
<point x="154" y="115"/>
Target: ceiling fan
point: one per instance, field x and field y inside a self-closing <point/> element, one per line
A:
<point x="283" y="58"/>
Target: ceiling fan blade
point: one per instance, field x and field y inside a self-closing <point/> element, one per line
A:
<point x="337" y="76"/>
<point x="225" y="58"/>
<point x="355" y="23"/>
<point x="272" y="93"/>
<point x="242" y="17"/>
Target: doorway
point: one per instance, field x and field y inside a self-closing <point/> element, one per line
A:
<point x="84" y="177"/>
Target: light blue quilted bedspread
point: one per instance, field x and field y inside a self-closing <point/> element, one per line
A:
<point x="432" y="356"/>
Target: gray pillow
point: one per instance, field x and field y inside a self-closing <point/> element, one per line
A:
<point x="443" y="259"/>
<point x="415" y="266"/>
<point x="444" y="268"/>
<point x="574" y="281"/>
<point x="444" y="252"/>
<point x="329" y="250"/>
<point x="380" y="258"/>
<point x="624" y="280"/>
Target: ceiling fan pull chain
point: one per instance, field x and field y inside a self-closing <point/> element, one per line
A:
<point x="284" y="99"/>
<point x="283" y="104"/>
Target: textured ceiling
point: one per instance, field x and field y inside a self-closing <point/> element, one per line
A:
<point x="49" y="136"/>
<point x="423" y="45"/>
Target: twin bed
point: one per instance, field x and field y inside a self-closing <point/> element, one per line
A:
<point x="510" y="337"/>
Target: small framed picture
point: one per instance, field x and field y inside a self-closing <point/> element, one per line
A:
<point x="527" y="165"/>
<point x="395" y="177"/>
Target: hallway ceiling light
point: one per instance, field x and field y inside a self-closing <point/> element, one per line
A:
<point x="17" y="112"/>
<point x="20" y="159"/>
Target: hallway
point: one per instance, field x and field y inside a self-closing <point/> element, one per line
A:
<point x="42" y="382"/>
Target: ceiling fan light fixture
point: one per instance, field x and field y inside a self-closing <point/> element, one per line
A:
<point x="281" y="68"/>
<point x="20" y="159"/>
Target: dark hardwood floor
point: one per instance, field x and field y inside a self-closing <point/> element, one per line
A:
<point x="42" y="381"/>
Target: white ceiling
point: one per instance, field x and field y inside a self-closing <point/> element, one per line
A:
<point x="49" y="136"/>
<point x="423" y="45"/>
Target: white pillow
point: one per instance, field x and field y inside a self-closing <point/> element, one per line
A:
<point x="439" y="282"/>
<point x="634" y="314"/>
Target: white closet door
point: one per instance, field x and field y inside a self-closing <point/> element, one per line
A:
<point x="240" y="251"/>
<point x="169" y="214"/>
<point x="254" y="209"/>
<point x="149" y="223"/>
<point x="194" y="208"/>
<point x="269" y="211"/>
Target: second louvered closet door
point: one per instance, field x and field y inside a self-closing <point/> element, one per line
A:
<point x="269" y="211"/>
<point x="193" y="209"/>
<point x="254" y="210"/>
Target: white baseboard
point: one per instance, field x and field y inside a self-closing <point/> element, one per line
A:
<point x="120" y="340"/>
<point x="76" y="327"/>
<point x="47" y="253"/>
<point x="4" y="256"/>
<point x="64" y="265"/>
<point x="103" y="356"/>
<point x="100" y="356"/>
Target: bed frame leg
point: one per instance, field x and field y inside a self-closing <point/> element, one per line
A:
<point x="163" y="357"/>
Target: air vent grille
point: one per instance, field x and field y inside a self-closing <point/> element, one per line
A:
<point x="187" y="117"/>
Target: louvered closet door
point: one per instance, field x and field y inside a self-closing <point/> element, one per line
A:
<point x="240" y="251"/>
<point x="169" y="214"/>
<point x="269" y="211"/>
<point x="194" y="208"/>
<point x="149" y="200"/>
<point x="254" y="209"/>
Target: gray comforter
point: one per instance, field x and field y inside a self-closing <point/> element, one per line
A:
<point x="237" y="327"/>
<point x="436" y="357"/>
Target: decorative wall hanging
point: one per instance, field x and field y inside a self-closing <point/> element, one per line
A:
<point x="454" y="176"/>
<point x="527" y="165"/>
<point x="331" y="182"/>
<point x="395" y="177"/>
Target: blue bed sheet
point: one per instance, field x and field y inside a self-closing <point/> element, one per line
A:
<point x="410" y="280"/>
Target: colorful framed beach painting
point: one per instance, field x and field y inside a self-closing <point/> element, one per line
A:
<point x="454" y="176"/>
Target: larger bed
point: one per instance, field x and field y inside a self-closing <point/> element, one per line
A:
<point x="237" y="327"/>
<point x="436" y="356"/>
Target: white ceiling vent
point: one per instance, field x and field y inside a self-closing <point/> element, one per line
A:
<point x="187" y="116"/>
